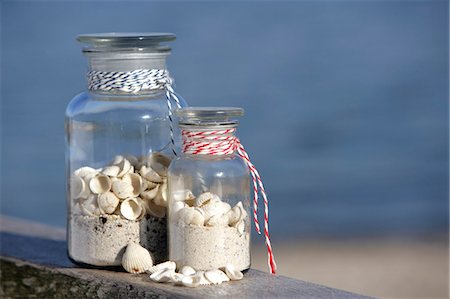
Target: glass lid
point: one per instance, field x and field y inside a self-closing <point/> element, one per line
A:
<point x="126" y="41"/>
<point x="208" y="115"/>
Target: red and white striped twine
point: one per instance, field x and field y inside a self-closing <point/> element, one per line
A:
<point x="223" y="142"/>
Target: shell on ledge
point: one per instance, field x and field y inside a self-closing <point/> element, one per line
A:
<point x="195" y="280"/>
<point x="162" y="266"/>
<point x="136" y="259"/>
<point x="216" y="276"/>
<point x="187" y="271"/>
<point x="233" y="273"/>
<point x="164" y="275"/>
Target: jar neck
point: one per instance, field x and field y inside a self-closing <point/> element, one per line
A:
<point x="126" y="61"/>
<point x="127" y="73"/>
<point x="215" y="141"/>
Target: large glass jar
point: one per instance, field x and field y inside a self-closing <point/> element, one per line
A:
<point x="209" y="193"/>
<point x="118" y="148"/>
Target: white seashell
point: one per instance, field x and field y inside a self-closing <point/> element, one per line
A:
<point x="131" y="209"/>
<point x="117" y="159"/>
<point x="161" y="197"/>
<point x="150" y="194"/>
<point x="148" y="185"/>
<point x="164" y="275"/>
<point x="132" y="159"/>
<point x="215" y="208"/>
<point x="206" y="197"/>
<point x="125" y="167"/>
<point x="218" y="220"/>
<point x="149" y="174"/>
<point x="178" y="205"/>
<point x="100" y="184"/>
<point x="111" y="170"/>
<point x="107" y="202"/>
<point x="122" y="189"/>
<point x="195" y="280"/>
<point x="89" y="206"/>
<point x="177" y="278"/>
<point x="216" y="276"/>
<point x="198" y="217"/>
<point x="241" y="227"/>
<point x="233" y="273"/>
<point x="236" y="214"/>
<point x="136" y="259"/>
<point x="154" y="210"/>
<point x="159" y="163"/>
<point x="186" y="214"/>
<point x="169" y="265"/>
<point x="84" y="171"/>
<point x="144" y="208"/>
<point x="187" y="271"/>
<point x="135" y="181"/>
<point x="182" y="195"/>
<point x="78" y="188"/>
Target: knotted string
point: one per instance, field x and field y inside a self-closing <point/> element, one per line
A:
<point x="137" y="81"/>
<point x="223" y="142"/>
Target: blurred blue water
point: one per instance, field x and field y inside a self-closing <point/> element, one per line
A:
<point x="346" y="102"/>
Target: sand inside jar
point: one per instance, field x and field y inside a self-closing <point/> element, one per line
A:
<point x="205" y="248"/>
<point x="101" y="240"/>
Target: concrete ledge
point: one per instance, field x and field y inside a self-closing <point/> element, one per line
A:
<point x="37" y="267"/>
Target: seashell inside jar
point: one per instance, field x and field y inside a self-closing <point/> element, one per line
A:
<point x="206" y="232"/>
<point x="122" y="203"/>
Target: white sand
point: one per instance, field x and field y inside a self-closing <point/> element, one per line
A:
<point x="206" y="248"/>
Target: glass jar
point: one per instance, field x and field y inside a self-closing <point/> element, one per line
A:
<point x="209" y="193"/>
<point x="118" y="148"/>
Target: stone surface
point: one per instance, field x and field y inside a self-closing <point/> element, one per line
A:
<point x="37" y="266"/>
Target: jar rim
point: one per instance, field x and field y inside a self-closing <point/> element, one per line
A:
<point x="208" y="116"/>
<point x="126" y="41"/>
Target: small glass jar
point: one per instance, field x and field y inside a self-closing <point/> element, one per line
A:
<point x="118" y="148"/>
<point x="209" y="193"/>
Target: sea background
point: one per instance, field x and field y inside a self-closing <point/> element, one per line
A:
<point x="346" y="103"/>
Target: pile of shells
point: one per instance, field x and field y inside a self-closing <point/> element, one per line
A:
<point x="189" y="277"/>
<point x="128" y="186"/>
<point x="137" y="259"/>
<point x="207" y="210"/>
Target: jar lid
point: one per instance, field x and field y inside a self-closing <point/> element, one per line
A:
<point x="209" y="115"/>
<point x="126" y="41"/>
